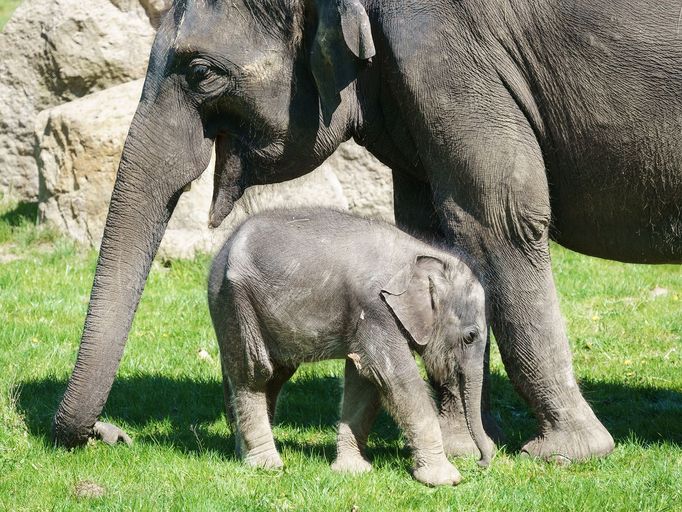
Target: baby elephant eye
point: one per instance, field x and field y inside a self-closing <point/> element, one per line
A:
<point x="471" y="336"/>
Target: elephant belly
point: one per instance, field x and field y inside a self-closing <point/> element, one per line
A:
<point x="631" y="214"/>
<point x="305" y="332"/>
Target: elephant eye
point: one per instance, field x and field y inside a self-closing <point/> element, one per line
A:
<point x="470" y="336"/>
<point x="197" y="73"/>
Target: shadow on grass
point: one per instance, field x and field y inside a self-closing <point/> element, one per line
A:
<point x="23" y="213"/>
<point x="191" y="407"/>
<point x="648" y="414"/>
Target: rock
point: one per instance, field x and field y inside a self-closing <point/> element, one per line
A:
<point x="154" y="9"/>
<point x="79" y="147"/>
<point x="366" y="182"/>
<point x="54" y="51"/>
<point x="56" y="54"/>
<point x="188" y="231"/>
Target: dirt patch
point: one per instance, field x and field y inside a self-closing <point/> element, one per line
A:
<point x="659" y="292"/>
<point x="88" y="489"/>
<point x="7" y="254"/>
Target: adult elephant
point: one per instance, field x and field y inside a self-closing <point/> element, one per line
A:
<point x="506" y="123"/>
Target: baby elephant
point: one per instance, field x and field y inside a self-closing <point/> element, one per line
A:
<point x="296" y="286"/>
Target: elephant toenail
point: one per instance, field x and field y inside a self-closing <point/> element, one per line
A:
<point x="559" y="459"/>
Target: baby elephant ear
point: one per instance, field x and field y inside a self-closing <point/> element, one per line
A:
<point x="409" y="295"/>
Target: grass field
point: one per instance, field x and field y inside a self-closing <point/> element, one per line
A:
<point x="628" y="356"/>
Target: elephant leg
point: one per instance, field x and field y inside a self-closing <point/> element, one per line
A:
<point x="256" y="444"/>
<point x="280" y="376"/>
<point x="226" y="326"/>
<point x="228" y="396"/>
<point x="246" y="396"/>
<point x="415" y="213"/>
<point x="414" y="209"/>
<point x="530" y="331"/>
<point x="496" y="205"/>
<point x="393" y="370"/>
<point x="359" y="409"/>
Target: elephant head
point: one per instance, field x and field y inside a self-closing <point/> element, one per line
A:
<point x="271" y="84"/>
<point x="441" y="306"/>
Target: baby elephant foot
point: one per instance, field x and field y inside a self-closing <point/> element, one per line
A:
<point x="353" y="464"/>
<point x="268" y="459"/>
<point x="440" y="473"/>
<point x="110" y="434"/>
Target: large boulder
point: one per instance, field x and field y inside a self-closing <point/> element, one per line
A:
<point x="79" y="146"/>
<point x="53" y="51"/>
<point x="366" y="182"/>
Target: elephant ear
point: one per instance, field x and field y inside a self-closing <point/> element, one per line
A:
<point x="343" y="38"/>
<point x="410" y="296"/>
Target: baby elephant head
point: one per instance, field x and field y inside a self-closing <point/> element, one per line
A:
<point x="441" y="305"/>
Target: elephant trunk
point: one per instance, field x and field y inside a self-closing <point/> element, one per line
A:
<point x="471" y="388"/>
<point x="145" y="194"/>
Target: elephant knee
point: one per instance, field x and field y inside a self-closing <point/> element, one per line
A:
<point x="529" y="224"/>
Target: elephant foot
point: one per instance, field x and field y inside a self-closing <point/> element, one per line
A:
<point x="354" y="464"/>
<point x="436" y="474"/>
<point x="457" y="441"/>
<point x="110" y="434"/>
<point x="268" y="459"/>
<point x="564" y="446"/>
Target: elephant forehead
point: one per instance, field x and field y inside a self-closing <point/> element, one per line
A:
<point x="203" y="25"/>
<point x="264" y="67"/>
<point x="230" y="36"/>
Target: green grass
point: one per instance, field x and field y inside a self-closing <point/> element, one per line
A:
<point x="628" y="357"/>
<point x="6" y="9"/>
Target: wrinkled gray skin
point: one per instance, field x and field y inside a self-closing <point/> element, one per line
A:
<point x="506" y="123"/>
<point x="297" y="286"/>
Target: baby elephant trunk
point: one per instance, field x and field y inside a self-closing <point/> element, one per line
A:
<point x="471" y="386"/>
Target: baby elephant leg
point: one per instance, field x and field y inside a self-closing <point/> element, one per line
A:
<point x="358" y="411"/>
<point x="280" y="376"/>
<point x="407" y="397"/>
<point x="228" y="396"/>
<point x="254" y="434"/>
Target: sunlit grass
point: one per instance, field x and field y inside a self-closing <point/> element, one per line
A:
<point x="626" y="331"/>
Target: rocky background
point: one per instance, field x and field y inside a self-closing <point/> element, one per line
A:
<point x="70" y="79"/>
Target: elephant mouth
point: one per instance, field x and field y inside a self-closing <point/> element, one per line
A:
<point x="221" y="207"/>
<point x="228" y="180"/>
